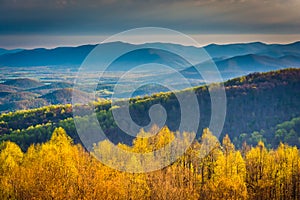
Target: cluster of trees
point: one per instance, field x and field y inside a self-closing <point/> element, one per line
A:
<point x="25" y="118"/>
<point x="287" y="132"/>
<point x="256" y="104"/>
<point x="59" y="169"/>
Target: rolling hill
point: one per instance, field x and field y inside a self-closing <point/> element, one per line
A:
<point x="63" y="96"/>
<point x="17" y="96"/>
<point x="45" y="89"/>
<point x="54" y="85"/>
<point x="24" y="93"/>
<point x="256" y="104"/>
<point x="6" y="88"/>
<point x="245" y="64"/>
<point x="257" y="55"/>
<point x="23" y="83"/>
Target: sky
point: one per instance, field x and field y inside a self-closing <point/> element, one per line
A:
<point x="41" y="23"/>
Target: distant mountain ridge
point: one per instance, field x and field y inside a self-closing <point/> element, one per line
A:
<point x="6" y="51"/>
<point x="232" y="60"/>
<point x="66" y="56"/>
<point x="273" y="50"/>
<point x="74" y="56"/>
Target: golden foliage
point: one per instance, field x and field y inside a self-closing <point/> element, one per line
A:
<point x="60" y="169"/>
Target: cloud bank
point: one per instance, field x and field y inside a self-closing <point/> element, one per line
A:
<point x="88" y="17"/>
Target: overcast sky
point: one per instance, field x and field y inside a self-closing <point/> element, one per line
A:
<point x="54" y="22"/>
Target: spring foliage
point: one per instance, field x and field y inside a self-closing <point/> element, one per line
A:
<point x="60" y="169"/>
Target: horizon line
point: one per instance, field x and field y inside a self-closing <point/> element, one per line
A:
<point x="52" y="42"/>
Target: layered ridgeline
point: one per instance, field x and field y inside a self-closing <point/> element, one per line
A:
<point x="232" y="60"/>
<point x="56" y="68"/>
<point x="260" y="106"/>
<point x="258" y="55"/>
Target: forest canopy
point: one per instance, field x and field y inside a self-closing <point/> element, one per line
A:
<point x="256" y="106"/>
<point x="59" y="169"/>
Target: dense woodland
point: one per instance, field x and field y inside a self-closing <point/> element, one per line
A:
<point x="41" y="156"/>
<point x="59" y="169"/>
<point x="260" y="107"/>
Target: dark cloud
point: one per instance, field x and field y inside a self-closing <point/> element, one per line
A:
<point x="76" y="17"/>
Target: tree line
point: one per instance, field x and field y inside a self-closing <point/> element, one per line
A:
<point x="256" y="104"/>
<point x="60" y="169"/>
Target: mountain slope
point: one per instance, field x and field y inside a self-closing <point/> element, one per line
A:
<point x="17" y="96"/>
<point x="7" y="88"/>
<point x="42" y="90"/>
<point x="5" y="51"/>
<point x="23" y="83"/>
<point x="66" y="56"/>
<point x="74" y="56"/>
<point x="63" y="96"/>
<point x="273" y="50"/>
<point x="245" y="64"/>
<point x="231" y="50"/>
<point x="256" y="104"/>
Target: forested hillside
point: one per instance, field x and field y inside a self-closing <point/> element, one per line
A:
<point x="25" y="93"/>
<point x="59" y="169"/>
<point x="256" y="105"/>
